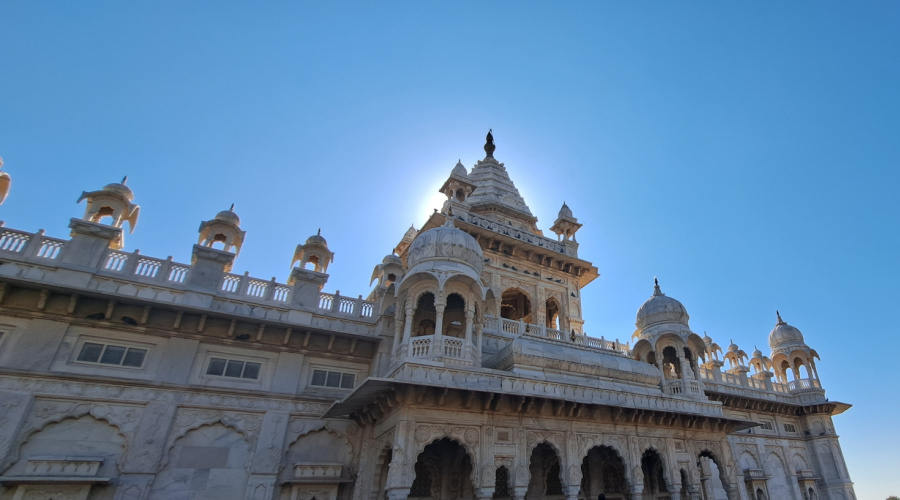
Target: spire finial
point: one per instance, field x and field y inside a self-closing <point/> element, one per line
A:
<point x="319" y="232"/>
<point x="124" y="179"/>
<point x="489" y="144"/>
<point x="778" y="315"/>
<point x="656" y="290"/>
<point x="232" y="208"/>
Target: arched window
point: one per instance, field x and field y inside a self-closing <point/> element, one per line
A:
<point x="515" y="305"/>
<point x="553" y="314"/>
<point x="425" y="316"/>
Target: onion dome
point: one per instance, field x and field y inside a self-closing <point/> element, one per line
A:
<point x="317" y="239"/>
<point x="459" y="169"/>
<point x="229" y="216"/>
<point x="784" y="334"/>
<point x="391" y="259"/>
<point x="659" y="309"/>
<point x="733" y="347"/>
<point x="120" y="188"/>
<point x="443" y="244"/>
<point x="757" y="353"/>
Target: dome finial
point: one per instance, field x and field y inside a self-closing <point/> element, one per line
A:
<point x="124" y="179"/>
<point x="489" y="146"/>
<point x="656" y="290"/>
<point x="319" y="232"/>
<point x="780" y="321"/>
<point x="232" y="208"/>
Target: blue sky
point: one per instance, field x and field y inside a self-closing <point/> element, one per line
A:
<point x="747" y="154"/>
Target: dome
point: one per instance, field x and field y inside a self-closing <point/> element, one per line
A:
<point x="565" y="211"/>
<point x="229" y="216"/>
<point x="783" y="334"/>
<point x="660" y="309"/>
<point x="121" y="189"/>
<point x="446" y="243"/>
<point x="757" y="353"/>
<point x="391" y="259"/>
<point x="317" y="239"/>
<point x="459" y="169"/>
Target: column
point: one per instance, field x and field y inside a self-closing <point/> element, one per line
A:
<point x="407" y="327"/>
<point x="437" y="343"/>
<point x="398" y="330"/>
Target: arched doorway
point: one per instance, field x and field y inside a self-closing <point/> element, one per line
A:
<point x="515" y="305"/>
<point x="654" y="478"/>
<point x="544" y="467"/>
<point x="671" y="364"/>
<point x="603" y="471"/>
<point x="552" y="314"/>
<point x="714" y="484"/>
<point x="443" y="472"/>
<point x="425" y="316"/>
<point x="454" y="316"/>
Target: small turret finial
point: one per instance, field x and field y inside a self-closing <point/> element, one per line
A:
<point x="489" y="146"/>
<point x="319" y="232"/>
<point x="656" y="290"/>
<point x="124" y="179"/>
<point x="778" y="315"/>
<point x="232" y="208"/>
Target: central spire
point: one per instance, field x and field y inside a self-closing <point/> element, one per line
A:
<point x="489" y="144"/>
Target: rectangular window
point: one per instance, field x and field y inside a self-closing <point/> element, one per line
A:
<point x="233" y="368"/>
<point x="328" y="378"/>
<point x="790" y="428"/>
<point x="767" y="425"/>
<point x="109" y="354"/>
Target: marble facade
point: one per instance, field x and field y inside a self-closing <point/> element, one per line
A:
<point x="465" y="373"/>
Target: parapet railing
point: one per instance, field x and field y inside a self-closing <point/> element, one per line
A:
<point x="758" y="384"/>
<point x="514" y="327"/>
<point x="35" y="247"/>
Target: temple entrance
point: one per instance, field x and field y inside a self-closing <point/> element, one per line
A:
<point x="515" y="305"/>
<point x="603" y="471"/>
<point x="443" y="472"/>
<point x="654" y="479"/>
<point x="544" y="467"/>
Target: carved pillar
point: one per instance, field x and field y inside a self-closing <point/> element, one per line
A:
<point x="407" y="326"/>
<point x="401" y="471"/>
<point x="437" y="343"/>
<point x="398" y="329"/>
<point x="470" y="317"/>
<point x="572" y="492"/>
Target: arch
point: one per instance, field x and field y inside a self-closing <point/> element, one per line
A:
<point x="800" y="462"/>
<point x="698" y="346"/>
<point x="603" y="471"/>
<point x="715" y="476"/>
<point x="56" y="414"/>
<point x="501" y="483"/>
<point x="213" y="459"/>
<point x="516" y="304"/>
<point x="654" y="471"/>
<point x="318" y="445"/>
<point x="73" y="435"/>
<point x="552" y="314"/>
<point x="671" y="363"/>
<point x="425" y="315"/>
<point x="382" y="467"/>
<point x="545" y="467"/>
<point x="454" y="316"/>
<point x="748" y="461"/>
<point x="777" y="483"/>
<point x="443" y="469"/>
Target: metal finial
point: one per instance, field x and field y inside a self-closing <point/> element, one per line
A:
<point x="124" y="179"/>
<point x="656" y="290"/>
<point x="489" y="146"/>
<point x="319" y="232"/>
<point x="778" y="315"/>
<point x="232" y="208"/>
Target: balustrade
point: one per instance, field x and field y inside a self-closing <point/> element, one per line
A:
<point x="13" y="241"/>
<point x="50" y="248"/>
<point x="346" y="305"/>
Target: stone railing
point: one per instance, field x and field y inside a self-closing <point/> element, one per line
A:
<point x="758" y="384"/>
<point x="35" y="247"/>
<point x="346" y="306"/>
<point x="754" y="474"/>
<point x="426" y="346"/>
<point x="40" y="249"/>
<point x="493" y="324"/>
<point x="684" y="387"/>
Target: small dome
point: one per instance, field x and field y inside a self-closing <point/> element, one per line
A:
<point x="660" y="309"/>
<point x="757" y="353"/>
<point x="784" y="334"/>
<point x="317" y="239"/>
<point x="391" y="259"/>
<point x="733" y="347"/>
<point x="120" y="189"/>
<point x="229" y="216"/>
<point x="459" y="169"/>
<point x="707" y="339"/>
<point x="565" y="211"/>
<point x="446" y="243"/>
